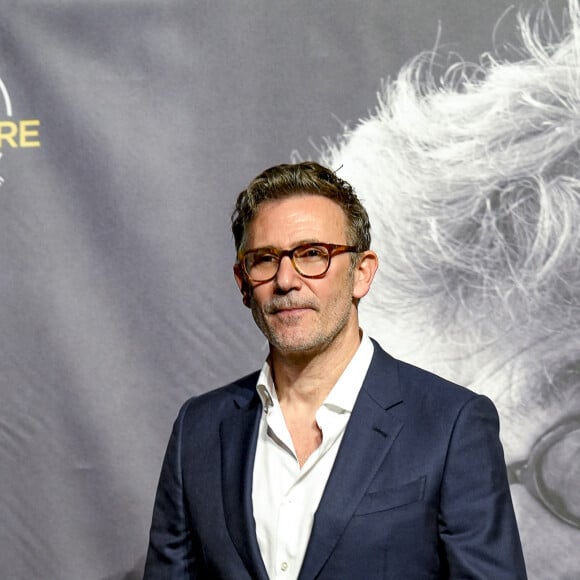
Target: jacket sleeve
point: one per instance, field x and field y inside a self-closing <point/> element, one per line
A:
<point x="477" y="525"/>
<point x="170" y="555"/>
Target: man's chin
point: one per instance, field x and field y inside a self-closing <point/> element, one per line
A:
<point x="295" y="342"/>
<point x="295" y="346"/>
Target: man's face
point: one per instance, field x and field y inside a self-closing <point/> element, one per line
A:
<point x="298" y="314"/>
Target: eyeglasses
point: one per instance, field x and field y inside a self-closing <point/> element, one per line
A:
<point x="309" y="260"/>
<point x="552" y="471"/>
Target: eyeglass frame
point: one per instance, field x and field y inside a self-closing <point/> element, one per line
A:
<point x="332" y="249"/>
<point x="529" y="471"/>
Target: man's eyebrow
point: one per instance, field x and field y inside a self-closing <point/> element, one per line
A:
<point x="309" y="241"/>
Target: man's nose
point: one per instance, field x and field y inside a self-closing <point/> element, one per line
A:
<point x="287" y="278"/>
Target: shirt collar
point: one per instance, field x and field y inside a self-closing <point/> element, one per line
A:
<point x="343" y="395"/>
<point x="265" y="387"/>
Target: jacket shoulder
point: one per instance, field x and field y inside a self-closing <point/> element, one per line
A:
<point x="222" y="400"/>
<point x="421" y="384"/>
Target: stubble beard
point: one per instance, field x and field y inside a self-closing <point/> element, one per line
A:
<point x="295" y="335"/>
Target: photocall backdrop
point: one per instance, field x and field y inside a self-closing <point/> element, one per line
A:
<point x="127" y="129"/>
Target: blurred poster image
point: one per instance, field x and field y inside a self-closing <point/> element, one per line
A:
<point x="126" y="131"/>
<point x="472" y="180"/>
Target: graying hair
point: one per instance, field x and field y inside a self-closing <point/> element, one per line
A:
<point x="473" y="183"/>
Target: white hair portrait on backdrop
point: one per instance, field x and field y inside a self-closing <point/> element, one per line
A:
<point x="472" y="182"/>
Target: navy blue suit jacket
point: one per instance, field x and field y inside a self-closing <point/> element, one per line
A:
<point x="418" y="488"/>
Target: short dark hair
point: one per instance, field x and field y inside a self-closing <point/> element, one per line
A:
<point x="306" y="178"/>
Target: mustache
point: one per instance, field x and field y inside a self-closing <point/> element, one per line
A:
<point x="284" y="303"/>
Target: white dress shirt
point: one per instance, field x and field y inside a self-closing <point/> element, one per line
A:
<point x="285" y="497"/>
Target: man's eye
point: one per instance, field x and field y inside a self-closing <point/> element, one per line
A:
<point x="313" y="252"/>
<point x="264" y="259"/>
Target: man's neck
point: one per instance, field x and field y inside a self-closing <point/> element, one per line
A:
<point x="305" y="379"/>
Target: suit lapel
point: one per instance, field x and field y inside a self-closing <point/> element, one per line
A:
<point x="368" y="438"/>
<point x="238" y="434"/>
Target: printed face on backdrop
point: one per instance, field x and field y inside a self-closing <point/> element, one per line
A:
<point x="300" y="314"/>
<point x="462" y="292"/>
<point x="473" y="192"/>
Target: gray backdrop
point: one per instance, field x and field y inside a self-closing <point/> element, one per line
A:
<point x="127" y="129"/>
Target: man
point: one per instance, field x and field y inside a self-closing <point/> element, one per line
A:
<point x="336" y="461"/>
<point x="473" y="188"/>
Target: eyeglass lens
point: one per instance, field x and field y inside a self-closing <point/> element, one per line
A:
<point x="307" y="260"/>
<point x="560" y="469"/>
<point x="552" y="472"/>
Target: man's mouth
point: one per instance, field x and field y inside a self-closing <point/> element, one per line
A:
<point x="291" y="310"/>
<point x="287" y="309"/>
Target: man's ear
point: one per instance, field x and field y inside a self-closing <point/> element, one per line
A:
<point x="364" y="272"/>
<point x="242" y="284"/>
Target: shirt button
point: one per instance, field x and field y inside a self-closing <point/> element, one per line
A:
<point x="284" y="566"/>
